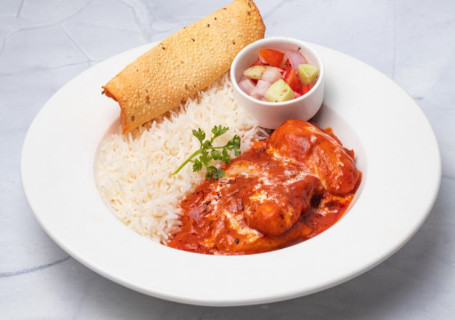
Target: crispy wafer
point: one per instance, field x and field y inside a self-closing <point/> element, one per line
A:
<point x="184" y="64"/>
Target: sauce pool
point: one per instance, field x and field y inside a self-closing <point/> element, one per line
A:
<point x="282" y="191"/>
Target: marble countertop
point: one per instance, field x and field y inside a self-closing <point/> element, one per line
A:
<point x="43" y="44"/>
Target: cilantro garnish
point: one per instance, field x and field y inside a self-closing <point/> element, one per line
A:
<point x="207" y="152"/>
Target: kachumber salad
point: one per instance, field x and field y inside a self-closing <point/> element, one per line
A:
<point x="194" y="171"/>
<point x="279" y="76"/>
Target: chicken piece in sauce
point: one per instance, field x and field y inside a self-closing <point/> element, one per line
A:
<point x="282" y="191"/>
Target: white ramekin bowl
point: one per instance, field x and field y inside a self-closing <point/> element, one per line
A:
<point x="273" y="114"/>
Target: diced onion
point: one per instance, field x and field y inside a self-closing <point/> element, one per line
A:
<point x="247" y="85"/>
<point x="271" y="74"/>
<point x="295" y="58"/>
<point x="259" y="91"/>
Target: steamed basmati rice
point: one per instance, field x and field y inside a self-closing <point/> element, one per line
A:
<point x="134" y="171"/>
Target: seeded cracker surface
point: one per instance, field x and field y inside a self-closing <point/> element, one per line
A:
<point x="183" y="64"/>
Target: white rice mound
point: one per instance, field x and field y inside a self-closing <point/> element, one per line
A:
<point x="134" y="171"/>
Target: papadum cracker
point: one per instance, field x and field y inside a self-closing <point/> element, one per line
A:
<point x="183" y="64"/>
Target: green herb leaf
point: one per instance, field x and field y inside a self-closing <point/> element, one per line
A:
<point x="226" y="156"/>
<point x="205" y="158"/>
<point x="218" y="174"/>
<point x="197" y="165"/>
<point x="206" y="145"/>
<point x="216" y="155"/>
<point x="199" y="134"/>
<point x="218" y="131"/>
<point x="210" y="172"/>
<point x="208" y="152"/>
<point x="234" y="143"/>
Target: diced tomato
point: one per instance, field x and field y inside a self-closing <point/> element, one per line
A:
<point x="287" y="63"/>
<point x="305" y="88"/>
<point x="272" y="57"/>
<point x="291" y="78"/>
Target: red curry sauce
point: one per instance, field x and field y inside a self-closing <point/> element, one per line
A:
<point x="282" y="191"/>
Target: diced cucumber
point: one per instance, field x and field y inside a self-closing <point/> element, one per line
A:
<point x="254" y="72"/>
<point x="308" y="73"/>
<point x="279" y="91"/>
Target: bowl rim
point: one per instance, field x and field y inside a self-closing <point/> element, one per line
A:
<point x="267" y="40"/>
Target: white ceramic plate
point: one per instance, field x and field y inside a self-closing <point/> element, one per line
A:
<point x="396" y="150"/>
